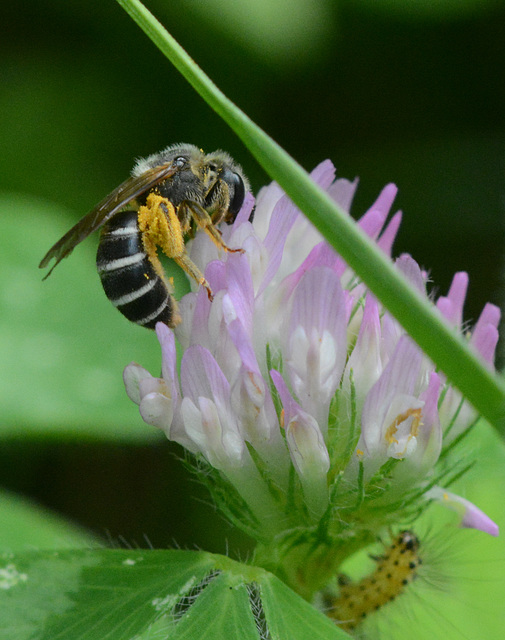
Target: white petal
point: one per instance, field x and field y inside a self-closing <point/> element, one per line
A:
<point x="306" y="445"/>
<point x="132" y="375"/>
<point x="157" y="409"/>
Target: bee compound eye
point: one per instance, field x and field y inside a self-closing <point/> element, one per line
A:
<point x="237" y="192"/>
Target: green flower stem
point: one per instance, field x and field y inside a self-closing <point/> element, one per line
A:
<point x="448" y="350"/>
<point x="308" y="565"/>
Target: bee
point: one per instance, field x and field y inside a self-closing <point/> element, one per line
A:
<point x="168" y="197"/>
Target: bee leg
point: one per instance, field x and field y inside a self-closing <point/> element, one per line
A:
<point x="204" y="221"/>
<point x="185" y="262"/>
<point x="218" y="210"/>
<point x="161" y="227"/>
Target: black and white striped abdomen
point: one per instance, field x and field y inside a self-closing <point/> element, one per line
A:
<point x="128" y="277"/>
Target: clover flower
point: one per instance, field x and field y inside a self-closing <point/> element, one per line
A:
<point x="314" y="419"/>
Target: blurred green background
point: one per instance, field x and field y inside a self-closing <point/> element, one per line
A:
<point x="411" y="92"/>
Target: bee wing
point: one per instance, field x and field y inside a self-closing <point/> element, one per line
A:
<point x="104" y="210"/>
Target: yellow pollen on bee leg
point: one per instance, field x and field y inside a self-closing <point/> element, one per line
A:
<point x="160" y="227"/>
<point x="159" y="222"/>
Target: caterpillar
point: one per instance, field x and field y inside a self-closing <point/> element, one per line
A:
<point x="395" y="570"/>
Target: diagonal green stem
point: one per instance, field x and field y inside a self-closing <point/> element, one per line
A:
<point x="448" y="350"/>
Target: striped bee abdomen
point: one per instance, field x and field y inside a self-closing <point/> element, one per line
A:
<point x="128" y="277"/>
